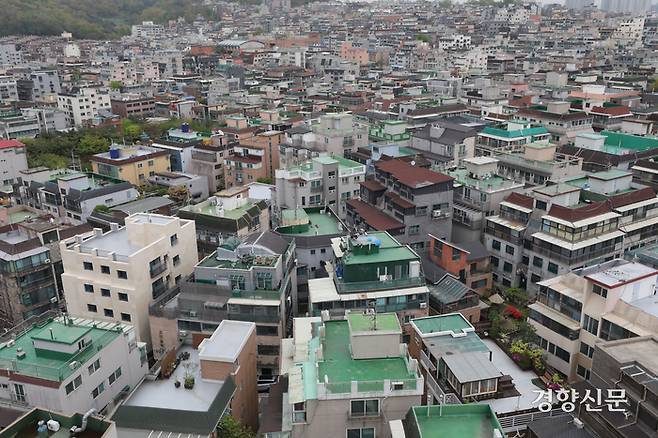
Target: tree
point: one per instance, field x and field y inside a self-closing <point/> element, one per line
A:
<point x="116" y="85"/>
<point x="264" y="180"/>
<point x="229" y="427"/>
<point x="516" y="296"/>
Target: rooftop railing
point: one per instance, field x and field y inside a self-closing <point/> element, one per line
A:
<point x="362" y="388"/>
<point x="365" y="286"/>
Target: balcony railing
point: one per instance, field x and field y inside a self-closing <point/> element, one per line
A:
<point x="384" y="388"/>
<point x="254" y="317"/>
<point x="259" y="294"/>
<point x="426" y="362"/>
<point x="442" y="396"/>
<point x="365" y="286"/>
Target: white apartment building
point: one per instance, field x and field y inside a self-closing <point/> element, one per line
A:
<point x="114" y="276"/>
<point x="611" y="301"/>
<point x="83" y="106"/>
<point x="147" y="29"/>
<point x="338" y="133"/>
<point x="10" y="54"/>
<point x="326" y="180"/>
<point x="8" y="89"/>
<point x="13" y="159"/>
<point x="45" y="85"/>
<point x="70" y="365"/>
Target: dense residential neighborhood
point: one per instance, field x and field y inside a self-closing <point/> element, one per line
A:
<point x="295" y="219"/>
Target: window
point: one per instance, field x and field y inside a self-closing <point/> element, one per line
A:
<point x="534" y="278"/>
<point x="507" y="267"/>
<point x="174" y="240"/>
<point x="89" y="288"/>
<point x="126" y="317"/>
<point x="123" y="296"/>
<point x="525" y="260"/>
<point x="509" y="249"/>
<point x="495" y="244"/>
<point x="323" y="251"/>
<point x="537" y="261"/>
<point x="98" y="390"/>
<point x="312" y="251"/>
<point x="364" y="432"/>
<point x="105" y="292"/>
<point x="591" y="325"/>
<point x="109" y="313"/>
<point x="600" y="291"/>
<point x="299" y="412"/>
<point x="94" y="367"/>
<point x="438" y="248"/>
<point x="494" y="261"/>
<point x="73" y="384"/>
<point x="267" y="330"/>
<point x="456" y="254"/>
<point x="88" y="266"/>
<point x="552" y="267"/>
<point x="115" y="376"/>
<point x="415" y="229"/>
<point x="105" y="269"/>
<point x="122" y="274"/>
<point x="540" y="205"/>
<point x="583" y="372"/>
<point x="92" y="308"/>
<point x="364" y="408"/>
<point x="586" y="349"/>
<point x="176" y="260"/>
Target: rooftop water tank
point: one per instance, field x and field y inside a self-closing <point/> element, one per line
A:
<point x="115" y="153"/>
<point x="185" y="127"/>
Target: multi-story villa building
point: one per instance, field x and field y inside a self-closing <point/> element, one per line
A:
<point x="409" y="201"/>
<point x="114" y="276"/>
<point x="70" y="365"/>
<point x="576" y="310"/>
<point x="346" y="377"/>
<point x="371" y="270"/>
<point x="253" y="280"/>
<point x="323" y="181"/>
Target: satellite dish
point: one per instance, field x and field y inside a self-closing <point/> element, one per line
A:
<point x="413" y="162"/>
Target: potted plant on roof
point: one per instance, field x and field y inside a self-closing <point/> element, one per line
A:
<point x="190" y="368"/>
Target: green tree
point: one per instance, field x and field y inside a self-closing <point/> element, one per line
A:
<point x="91" y="144"/>
<point x="116" y="85"/>
<point x="265" y="180"/>
<point x="131" y="130"/>
<point x="516" y="296"/>
<point x="229" y="427"/>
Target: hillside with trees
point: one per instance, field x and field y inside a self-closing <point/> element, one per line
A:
<point x="91" y="19"/>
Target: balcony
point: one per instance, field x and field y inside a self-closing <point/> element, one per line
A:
<point x="442" y="396"/>
<point x="370" y="388"/>
<point x="157" y="269"/>
<point x="254" y="317"/>
<point x="368" y="286"/>
<point x="158" y="289"/>
<point x="260" y="294"/>
<point x="426" y="362"/>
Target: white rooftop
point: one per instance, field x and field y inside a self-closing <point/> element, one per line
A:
<point x="163" y="394"/>
<point x="227" y="341"/>
<point x="619" y="273"/>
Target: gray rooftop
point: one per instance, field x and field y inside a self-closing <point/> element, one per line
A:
<point x="472" y="366"/>
<point x="227" y="341"/>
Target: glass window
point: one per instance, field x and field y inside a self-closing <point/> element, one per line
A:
<point x="95" y="366"/>
<point x="105" y="292"/>
<point x="537" y="261"/>
<point x="122" y="274"/>
<point x="126" y="317"/>
<point x="109" y="313"/>
<point x="495" y="244"/>
<point x="364" y="408"/>
<point x="105" y="269"/>
<point x="88" y="266"/>
<point x="365" y="432"/>
<point x="600" y="290"/>
<point x="92" y="308"/>
<point x="591" y="325"/>
<point x="89" y="288"/>
<point x="123" y="296"/>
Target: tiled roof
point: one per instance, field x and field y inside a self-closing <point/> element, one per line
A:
<point x="412" y="176"/>
<point x="612" y="110"/>
<point x="520" y="200"/>
<point x="632" y="197"/>
<point x="372" y="185"/>
<point x="580" y="213"/>
<point x="4" y="144"/>
<point x="374" y="217"/>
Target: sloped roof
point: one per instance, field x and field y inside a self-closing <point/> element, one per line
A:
<point x="580" y="213"/>
<point x="520" y="200"/>
<point x="412" y="176"/>
<point x="374" y="217"/>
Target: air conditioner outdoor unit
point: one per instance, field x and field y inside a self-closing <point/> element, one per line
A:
<point x="47" y="261"/>
<point x="423" y="305"/>
<point x="436" y="213"/>
<point x="397" y="386"/>
<point x="192" y="313"/>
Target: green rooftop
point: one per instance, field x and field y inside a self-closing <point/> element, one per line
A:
<point x="492" y="183"/>
<point x="453" y="322"/>
<point x="333" y="159"/>
<point x="456" y="421"/>
<point x="390" y="250"/>
<point x="60" y="333"/>
<point x="617" y="143"/>
<point x="20" y="216"/>
<point x="526" y="132"/>
<point x="51" y="364"/>
<point x="359" y="322"/>
<point x="309" y="222"/>
<point x="339" y="367"/>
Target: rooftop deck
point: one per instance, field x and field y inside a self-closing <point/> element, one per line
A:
<point x="49" y="364"/>
<point x="319" y="224"/>
<point x="456" y="421"/>
<point x="339" y="367"/>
